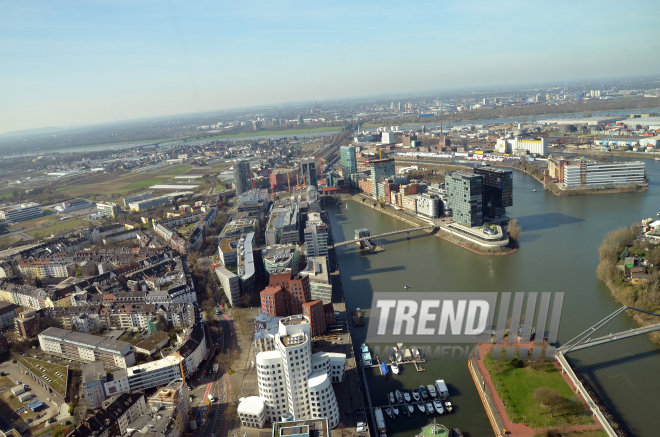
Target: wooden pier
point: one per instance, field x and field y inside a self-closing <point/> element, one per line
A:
<point x="417" y="364"/>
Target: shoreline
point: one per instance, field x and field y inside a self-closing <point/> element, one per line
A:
<point x="363" y="200"/>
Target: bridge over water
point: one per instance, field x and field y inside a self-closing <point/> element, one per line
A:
<point x="371" y="237"/>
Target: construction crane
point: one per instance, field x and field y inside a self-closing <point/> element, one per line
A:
<point x="288" y="181"/>
<point x="320" y="167"/>
<point x="185" y="386"/>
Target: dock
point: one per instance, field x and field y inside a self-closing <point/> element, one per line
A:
<point x="357" y="319"/>
<point x="417" y="364"/>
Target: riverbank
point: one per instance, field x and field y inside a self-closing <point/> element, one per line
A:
<point x="440" y="233"/>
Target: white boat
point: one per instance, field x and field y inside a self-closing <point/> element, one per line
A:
<point x="399" y="396"/>
<point x="392" y="398"/>
<point x="534" y="190"/>
<point x="416" y="395"/>
<point x="388" y="411"/>
<point x="396" y="410"/>
<point x="411" y="409"/>
<point x="432" y="391"/>
<point x="421" y="407"/>
<point x="429" y="407"/>
<point x="448" y="406"/>
<point x="407" y="286"/>
<point x="406" y="395"/>
<point x="656" y="159"/>
<point x="395" y="369"/>
<point x="437" y="404"/>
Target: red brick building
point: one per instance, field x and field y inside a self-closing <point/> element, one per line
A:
<point x="297" y="287"/>
<point x="313" y="311"/>
<point x="275" y="301"/>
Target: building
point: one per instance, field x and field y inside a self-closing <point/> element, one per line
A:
<point x="252" y="412"/>
<point x="93" y="379"/>
<point x="287" y="382"/>
<point x="230" y="285"/>
<point x="381" y="169"/>
<point x="524" y="144"/>
<point x="153" y="374"/>
<point x="280" y="256"/>
<point x="136" y="198"/>
<point x="283" y="223"/>
<point x="316" y="239"/>
<point x="72" y="205"/>
<point x="153" y="344"/>
<point x="348" y="161"/>
<point x="107" y="209"/>
<point x="287" y="427"/>
<point x="556" y="167"/>
<point x="307" y="171"/>
<point x="27" y="324"/>
<point x="21" y="212"/>
<point x="242" y="177"/>
<point x="86" y="347"/>
<point x="593" y="175"/>
<point x="319" y="278"/>
<point x="296" y="290"/>
<point x="8" y="312"/>
<point x="497" y="191"/>
<point x="172" y="398"/>
<point x="428" y="205"/>
<point x="464" y="197"/>
<point x="125" y="410"/>
<point x="141" y="205"/>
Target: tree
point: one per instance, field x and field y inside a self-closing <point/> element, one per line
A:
<point x="548" y="397"/>
<point x="78" y="272"/>
<point x="514" y="229"/>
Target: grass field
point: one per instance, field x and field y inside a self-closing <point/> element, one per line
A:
<point x="283" y="133"/>
<point x="39" y="221"/>
<point x="58" y="383"/>
<point x="58" y="228"/>
<point x="9" y="239"/>
<point x="516" y="386"/>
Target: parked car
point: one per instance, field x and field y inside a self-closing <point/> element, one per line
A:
<point x="51" y="420"/>
<point x="361" y="429"/>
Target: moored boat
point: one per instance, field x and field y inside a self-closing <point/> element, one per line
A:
<point x="411" y="409"/>
<point x="448" y="406"/>
<point x="388" y="411"/>
<point x="432" y="391"/>
<point x="423" y="392"/>
<point x="421" y="407"/>
<point x="437" y="404"/>
<point x="406" y="395"/>
<point x="429" y="408"/>
<point x="415" y="394"/>
<point x="396" y="410"/>
<point x="392" y="400"/>
<point x="399" y="396"/>
<point x="395" y="369"/>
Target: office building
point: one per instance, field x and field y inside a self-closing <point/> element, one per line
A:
<point x="136" y="198"/>
<point x="280" y="256"/>
<point x="93" y="378"/>
<point x="283" y="223"/>
<point x="307" y="171"/>
<point x="381" y="169"/>
<point x="141" y="205"/>
<point x="319" y="279"/>
<point x="87" y="348"/>
<point x="107" y="209"/>
<point x="230" y="285"/>
<point x="21" y="212"/>
<point x="72" y="205"/>
<point x="428" y="205"/>
<point x="464" y="197"/>
<point x="348" y="161"/>
<point x="296" y="291"/>
<point x="497" y="191"/>
<point x="300" y="428"/>
<point x="587" y="174"/>
<point x="316" y="239"/>
<point x="242" y="177"/>
<point x="288" y="382"/>
<point x="153" y="374"/>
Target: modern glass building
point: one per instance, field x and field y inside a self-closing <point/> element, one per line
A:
<point x="381" y="169"/>
<point x="348" y="161"/>
<point x="464" y="197"/>
<point x="497" y="191"/>
<point x="242" y="177"/>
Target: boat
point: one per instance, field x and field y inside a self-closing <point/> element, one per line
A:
<point x="429" y="408"/>
<point x="411" y="409"/>
<point x="406" y="395"/>
<point x="406" y="286"/>
<point x="347" y="206"/>
<point x="366" y="355"/>
<point x="384" y="368"/>
<point x="534" y="190"/>
<point x="395" y="369"/>
<point x="396" y="410"/>
<point x="399" y="396"/>
<point x="437" y="404"/>
<point x="432" y="390"/>
<point x="656" y="159"/>
<point x="421" y="407"/>
<point x="448" y="406"/>
<point x="422" y="390"/>
<point x="416" y="395"/>
<point x="392" y="397"/>
<point x="388" y="411"/>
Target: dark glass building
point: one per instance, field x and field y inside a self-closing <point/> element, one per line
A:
<point x="497" y="191"/>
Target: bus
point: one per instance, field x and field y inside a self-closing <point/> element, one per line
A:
<point x="215" y="368"/>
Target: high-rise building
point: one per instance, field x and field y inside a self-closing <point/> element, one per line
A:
<point x="381" y="169"/>
<point x="308" y="171"/>
<point x="316" y="239"/>
<point x="293" y="380"/>
<point x="464" y="197"/>
<point x="348" y="161"/>
<point x="242" y="177"/>
<point x="497" y="191"/>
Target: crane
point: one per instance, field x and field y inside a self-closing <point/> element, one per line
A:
<point x="185" y="386"/>
<point x="288" y="181"/>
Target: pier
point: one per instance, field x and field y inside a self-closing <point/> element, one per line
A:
<point x="385" y="234"/>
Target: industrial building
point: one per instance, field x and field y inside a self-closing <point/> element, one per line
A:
<point x="522" y="145"/>
<point x="21" y="212"/>
<point x="587" y="174"/>
<point x="141" y="205"/>
<point x="136" y="198"/>
<point x="242" y="177"/>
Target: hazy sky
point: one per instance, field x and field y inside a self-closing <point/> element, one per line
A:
<point x="69" y="62"/>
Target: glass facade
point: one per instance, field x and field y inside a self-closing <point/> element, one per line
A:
<point x="381" y="169"/>
<point x="497" y="191"/>
<point x="242" y="177"/>
<point x="348" y="161"/>
<point x="464" y="197"/>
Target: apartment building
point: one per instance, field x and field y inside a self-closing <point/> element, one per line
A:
<point x="93" y="378"/>
<point x="8" y="312"/>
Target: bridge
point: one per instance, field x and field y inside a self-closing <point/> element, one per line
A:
<point x="584" y="341"/>
<point x="371" y="237"/>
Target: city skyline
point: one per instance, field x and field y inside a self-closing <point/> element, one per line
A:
<point x="78" y="63"/>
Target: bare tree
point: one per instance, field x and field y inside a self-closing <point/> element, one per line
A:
<point x="514" y="229"/>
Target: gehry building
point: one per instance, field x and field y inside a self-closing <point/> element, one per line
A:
<point x="293" y="380"/>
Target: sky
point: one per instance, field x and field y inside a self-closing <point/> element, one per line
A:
<point x="66" y="63"/>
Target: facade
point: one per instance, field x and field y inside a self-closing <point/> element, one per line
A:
<point x="316" y="239"/>
<point x="307" y="171"/>
<point x="529" y="145"/>
<point x="8" y="312"/>
<point x="497" y="191"/>
<point x="319" y="279"/>
<point x="296" y="291"/>
<point x="280" y="256"/>
<point x="87" y="348"/>
<point x="107" y="209"/>
<point x="27" y="324"/>
<point x="93" y="378"/>
<point x="592" y="175"/>
<point x="252" y="412"/>
<point x="21" y="212"/>
<point x="141" y="205"/>
<point x="348" y="161"/>
<point x="287" y="383"/>
<point x="153" y="374"/>
<point x="42" y="268"/>
<point x="242" y="177"/>
<point x="230" y="285"/>
<point x="125" y="410"/>
<point x="136" y="198"/>
<point x="381" y="169"/>
<point x="464" y="197"/>
<point x="428" y="205"/>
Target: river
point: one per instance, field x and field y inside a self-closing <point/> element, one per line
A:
<point x="559" y="252"/>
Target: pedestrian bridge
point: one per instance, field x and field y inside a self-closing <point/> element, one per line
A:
<point x="371" y="237"/>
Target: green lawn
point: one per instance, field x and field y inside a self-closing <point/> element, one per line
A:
<point x="58" y="383"/>
<point x="286" y="132"/>
<point x="58" y="228"/>
<point x="9" y="239"/>
<point x="516" y="386"/>
<point x="39" y="221"/>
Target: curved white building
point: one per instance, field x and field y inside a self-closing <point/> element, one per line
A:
<point x="288" y="383"/>
<point x="252" y="412"/>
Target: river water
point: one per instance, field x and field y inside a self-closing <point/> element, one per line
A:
<point x="559" y="252"/>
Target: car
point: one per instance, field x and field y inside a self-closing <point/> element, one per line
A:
<point x="2" y="373"/>
<point x="361" y="429"/>
<point x="15" y="361"/>
<point x="360" y="424"/>
<point x="51" y="420"/>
